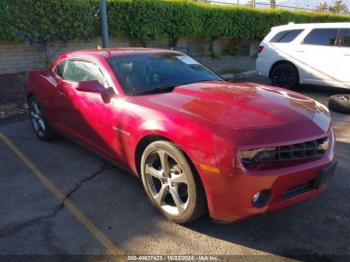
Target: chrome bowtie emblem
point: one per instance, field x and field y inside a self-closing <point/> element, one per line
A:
<point x="324" y="146"/>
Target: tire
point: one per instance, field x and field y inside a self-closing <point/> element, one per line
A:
<point x="173" y="187"/>
<point x="340" y="103"/>
<point x="285" y="75"/>
<point x="38" y="120"/>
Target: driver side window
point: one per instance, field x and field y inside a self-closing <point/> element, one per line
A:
<point x="78" y="71"/>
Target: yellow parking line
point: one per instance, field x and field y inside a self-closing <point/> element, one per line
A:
<point x="108" y="244"/>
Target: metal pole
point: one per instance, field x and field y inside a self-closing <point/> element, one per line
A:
<point x="104" y="24"/>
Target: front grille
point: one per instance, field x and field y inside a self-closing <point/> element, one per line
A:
<point x="294" y="191"/>
<point x="300" y="151"/>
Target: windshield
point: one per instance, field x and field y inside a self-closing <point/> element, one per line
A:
<point x="152" y="73"/>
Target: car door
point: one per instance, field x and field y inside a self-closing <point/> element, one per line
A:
<point x="317" y="56"/>
<point x="342" y="73"/>
<point x="54" y="95"/>
<point x="88" y="117"/>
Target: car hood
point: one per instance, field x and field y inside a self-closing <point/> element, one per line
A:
<point x="242" y="105"/>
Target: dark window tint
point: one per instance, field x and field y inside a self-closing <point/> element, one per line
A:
<point x="326" y="37"/>
<point x="142" y="72"/>
<point x="78" y="71"/>
<point x="286" y="36"/>
<point x="59" y="70"/>
<point x="345" y="41"/>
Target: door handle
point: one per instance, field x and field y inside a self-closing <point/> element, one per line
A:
<point x="60" y="93"/>
<point x="300" y="51"/>
<point x="346" y="55"/>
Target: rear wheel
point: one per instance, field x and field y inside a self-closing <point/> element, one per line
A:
<point x="39" y="123"/>
<point x="285" y="75"/>
<point x="170" y="182"/>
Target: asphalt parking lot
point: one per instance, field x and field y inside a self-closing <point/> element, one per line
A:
<point x="107" y="212"/>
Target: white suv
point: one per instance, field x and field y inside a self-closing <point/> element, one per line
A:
<point x="317" y="54"/>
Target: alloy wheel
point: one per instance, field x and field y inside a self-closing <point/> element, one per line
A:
<point x="37" y="118"/>
<point x="167" y="182"/>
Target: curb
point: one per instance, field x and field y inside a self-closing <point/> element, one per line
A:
<point x="242" y="75"/>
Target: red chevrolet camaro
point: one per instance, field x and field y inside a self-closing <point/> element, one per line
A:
<point x="198" y="143"/>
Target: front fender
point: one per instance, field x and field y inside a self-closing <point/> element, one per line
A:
<point x="195" y="142"/>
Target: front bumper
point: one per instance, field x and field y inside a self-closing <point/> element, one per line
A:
<point x="232" y="196"/>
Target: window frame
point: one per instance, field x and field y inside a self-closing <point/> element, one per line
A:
<point x="336" y="43"/>
<point x="65" y="60"/>
<point x="341" y="37"/>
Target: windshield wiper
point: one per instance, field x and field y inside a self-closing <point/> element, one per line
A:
<point x="153" y="90"/>
<point x="204" y="80"/>
<point x="170" y="88"/>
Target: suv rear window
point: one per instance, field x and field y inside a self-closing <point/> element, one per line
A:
<point x="286" y="36"/>
<point x="326" y="37"/>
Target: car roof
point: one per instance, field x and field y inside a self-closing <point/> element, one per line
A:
<point x="114" y="52"/>
<point x="311" y="25"/>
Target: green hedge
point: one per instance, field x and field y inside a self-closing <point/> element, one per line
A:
<point x="49" y="20"/>
<point x="63" y="20"/>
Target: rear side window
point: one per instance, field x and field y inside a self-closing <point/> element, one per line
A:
<point x="78" y="71"/>
<point x="286" y="36"/>
<point x="345" y="39"/>
<point x="59" y="70"/>
<point x="325" y="37"/>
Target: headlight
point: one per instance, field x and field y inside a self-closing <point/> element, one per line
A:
<point x="321" y="107"/>
<point x="256" y="155"/>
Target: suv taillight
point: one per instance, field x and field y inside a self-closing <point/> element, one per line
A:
<point x="260" y="49"/>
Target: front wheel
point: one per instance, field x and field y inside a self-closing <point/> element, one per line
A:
<point x="170" y="182"/>
<point x="285" y="75"/>
<point x="39" y="123"/>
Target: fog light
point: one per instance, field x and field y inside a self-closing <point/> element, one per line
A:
<point x="260" y="199"/>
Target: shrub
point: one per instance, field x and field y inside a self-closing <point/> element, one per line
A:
<point x="51" y="20"/>
<point x="63" y="20"/>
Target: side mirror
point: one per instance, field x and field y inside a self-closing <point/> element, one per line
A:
<point x="92" y="86"/>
